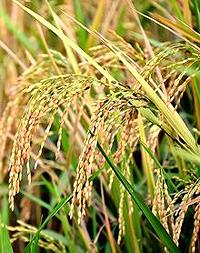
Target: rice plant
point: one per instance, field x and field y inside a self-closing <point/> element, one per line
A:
<point x="99" y="126"/>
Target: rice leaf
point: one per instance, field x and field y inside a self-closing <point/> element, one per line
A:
<point x="68" y="41"/>
<point x="159" y="229"/>
<point x="5" y="244"/>
<point x="54" y="211"/>
<point x="180" y="27"/>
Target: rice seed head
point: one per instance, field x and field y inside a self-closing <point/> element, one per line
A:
<point x="196" y="229"/>
<point x="192" y="189"/>
<point x="47" y="96"/>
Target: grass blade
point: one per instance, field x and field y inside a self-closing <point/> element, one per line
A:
<point x="54" y="211"/>
<point x="159" y="229"/>
<point x="5" y="244"/>
<point x="179" y="27"/>
<point x="82" y="34"/>
<point x="67" y="41"/>
<point x="96" y="22"/>
<point x="158" y="165"/>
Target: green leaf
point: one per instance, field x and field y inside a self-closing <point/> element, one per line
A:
<point x="159" y="229"/>
<point x="67" y="41"/>
<point x="5" y="244"/>
<point x="82" y="34"/>
<point x="158" y="165"/>
<point x="54" y="211"/>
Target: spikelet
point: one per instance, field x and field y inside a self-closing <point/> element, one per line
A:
<point x="121" y="220"/>
<point x="180" y="213"/>
<point x="129" y="140"/>
<point x="196" y="227"/>
<point x="66" y="110"/>
<point x="82" y="185"/>
<point x="125" y="136"/>
<point x="162" y="203"/>
<point x="19" y="95"/>
<point x="47" y="97"/>
<point x="47" y="130"/>
<point x="123" y="195"/>
<point x="6" y="123"/>
<point x="115" y="116"/>
<point x="116" y="106"/>
<point x="23" y="231"/>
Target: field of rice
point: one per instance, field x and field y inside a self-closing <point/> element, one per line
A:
<point x="99" y="126"/>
